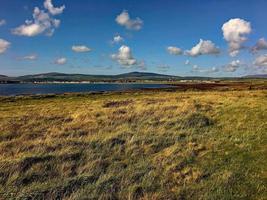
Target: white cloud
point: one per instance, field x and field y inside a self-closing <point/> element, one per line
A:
<point x="117" y="39"/>
<point x="195" y="68"/>
<point x="204" y="47"/>
<point x="234" y="32"/>
<point x="42" y="23"/>
<point x="61" y="61"/>
<point x="198" y="69"/>
<point x="2" y="22"/>
<point x="232" y="66"/>
<point x="187" y="62"/>
<point x="53" y="10"/>
<point x="124" y="19"/>
<point x="30" y="57"/>
<point x="260" y="45"/>
<point x="261" y="61"/>
<point x="80" y="48"/>
<point x="124" y="56"/>
<point x="28" y="30"/>
<point x="174" y="50"/>
<point x="4" y="45"/>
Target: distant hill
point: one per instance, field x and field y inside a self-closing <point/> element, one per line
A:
<point x="132" y="76"/>
<point x="142" y="74"/>
<point x="54" y="76"/>
<point x="3" y="76"/>
<point x="126" y="77"/>
<point x="256" y="76"/>
<point x="145" y="75"/>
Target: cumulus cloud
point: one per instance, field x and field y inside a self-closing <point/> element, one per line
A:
<point x="30" y="57"/>
<point x="53" y="10"/>
<point x="2" y="22"/>
<point x="80" y="48"/>
<point x="124" y="56"/>
<point x="260" y="45"/>
<point x="174" y="50"/>
<point x="261" y="61"/>
<point x="61" y="61"/>
<point x="117" y="39"/>
<point x="42" y="23"/>
<point x="235" y="32"/>
<point x="204" y="47"/>
<point x="124" y="19"/>
<point x="232" y="66"/>
<point x="198" y="69"/>
<point x="4" y="45"/>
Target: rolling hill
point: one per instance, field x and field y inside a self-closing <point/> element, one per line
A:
<point x="256" y="76"/>
<point x="125" y="77"/>
<point x="54" y="76"/>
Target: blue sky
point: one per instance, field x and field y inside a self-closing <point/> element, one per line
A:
<point x="155" y="36"/>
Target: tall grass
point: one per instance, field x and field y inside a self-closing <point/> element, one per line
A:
<point x="139" y="145"/>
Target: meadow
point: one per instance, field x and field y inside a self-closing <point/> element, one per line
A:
<point x="135" y="145"/>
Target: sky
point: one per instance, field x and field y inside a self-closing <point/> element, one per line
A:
<point x="186" y="37"/>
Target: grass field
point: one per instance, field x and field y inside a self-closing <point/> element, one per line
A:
<point x="135" y="145"/>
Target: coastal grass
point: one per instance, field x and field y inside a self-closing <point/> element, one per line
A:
<point x="135" y="145"/>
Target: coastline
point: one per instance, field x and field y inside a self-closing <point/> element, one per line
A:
<point x="174" y="87"/>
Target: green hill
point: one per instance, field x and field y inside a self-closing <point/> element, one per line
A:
<point x="54" y="76"/>
<point x="126" y="77"/>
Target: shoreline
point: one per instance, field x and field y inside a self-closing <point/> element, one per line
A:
<point x="182" y="87"/>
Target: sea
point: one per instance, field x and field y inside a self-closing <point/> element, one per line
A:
<point x="61" y="88"/>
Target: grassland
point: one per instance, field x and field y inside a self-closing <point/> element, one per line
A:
<point x="136" y="145"/>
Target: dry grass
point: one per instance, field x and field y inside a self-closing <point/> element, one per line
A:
<point x="138" y="145"/>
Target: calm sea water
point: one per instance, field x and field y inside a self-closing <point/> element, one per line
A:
<point x="21" y="89"/>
